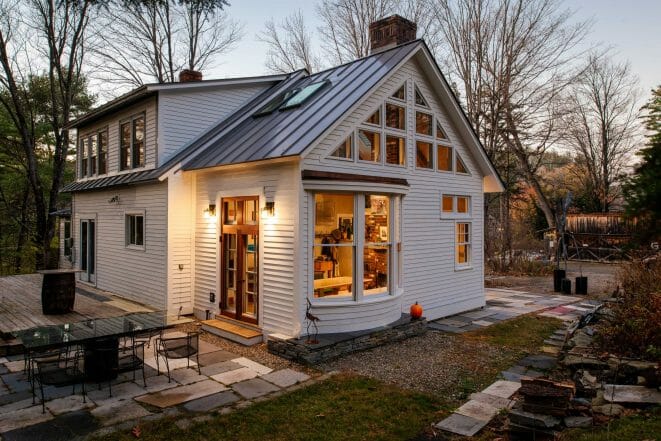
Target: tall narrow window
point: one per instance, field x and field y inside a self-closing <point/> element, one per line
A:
<point x="423" y="123"/>
<point x="84" y="155"/>
<point x="376" y="250"/>
<point x="135" y="230"/>
<point x="395" y="117"/>
<point x="369" y="146"/>
<point x="463" y="243"/>
<point x="344" y="150"/>
<point x="93" y="154"/>
<point x="334" y="246"/>
<point x="423" y="155"/>
<point x="139" y="142"/>
<point x="444" y="158"/>
<point x="103" y="152"/>
<point x="395" y="150"/>
<point x="125" y="146"/>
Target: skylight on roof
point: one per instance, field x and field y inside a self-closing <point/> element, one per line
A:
<point x="302" y="95"/>
<point x="274" y="103"/>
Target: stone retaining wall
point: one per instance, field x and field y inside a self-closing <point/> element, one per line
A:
<point x="335" y="345"/>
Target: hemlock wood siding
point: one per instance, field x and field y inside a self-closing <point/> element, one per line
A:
<point x="428" y="242"/>
<point x="184" y="115"/>
<point x="139" y="275"/>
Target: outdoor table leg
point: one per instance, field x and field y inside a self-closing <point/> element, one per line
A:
<point x="101" y="358"/>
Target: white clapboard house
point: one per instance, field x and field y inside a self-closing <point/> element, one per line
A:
<point x="359" y="188"/>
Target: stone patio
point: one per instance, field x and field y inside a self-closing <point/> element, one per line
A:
<point x="227" y="380"/>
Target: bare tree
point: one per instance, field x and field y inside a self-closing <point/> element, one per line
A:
<point x="513" y="59"/>
<point x="289" y="45"/>
<point x="345" y="26"/>
<point x="151" y="41"/>
<point x="42" y="36"/>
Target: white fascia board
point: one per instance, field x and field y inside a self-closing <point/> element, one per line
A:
<point x="218" y="83"/>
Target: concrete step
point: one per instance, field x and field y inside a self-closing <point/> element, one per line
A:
<point x="233" y="330"/>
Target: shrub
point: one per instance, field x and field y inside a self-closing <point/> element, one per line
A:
<point x="634" y="328"/>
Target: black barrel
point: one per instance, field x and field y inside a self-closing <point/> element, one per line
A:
<point x="58" y="292"/>
<point x="582" y="285"/>
<point x="558" y="275"/>
<point x="566" y="286"/>
<point x="101" y="358"/>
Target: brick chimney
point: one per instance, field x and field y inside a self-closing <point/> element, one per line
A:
<point x="390" y="32"/>
<point x="187" y="75"/>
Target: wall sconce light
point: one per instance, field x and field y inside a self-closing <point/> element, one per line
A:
<point x="211" y="210"/>
<point x="269" y="209"/>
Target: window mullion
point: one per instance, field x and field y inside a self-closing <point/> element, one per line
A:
<point x="359" y="243"/>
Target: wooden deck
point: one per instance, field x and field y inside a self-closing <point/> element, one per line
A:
<point x="20" y="304"/>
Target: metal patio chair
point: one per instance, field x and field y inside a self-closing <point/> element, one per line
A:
<point x="177" y="348"/>
<point x="55" y="370"/>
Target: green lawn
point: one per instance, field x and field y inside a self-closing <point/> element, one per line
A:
<point x="644" y="426"/>
<point x="340" y="408"/>
<point x="350" y="407"/>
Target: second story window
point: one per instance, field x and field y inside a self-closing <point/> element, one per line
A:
<point x="132" y="143"/>
<point x="94" y="154"/>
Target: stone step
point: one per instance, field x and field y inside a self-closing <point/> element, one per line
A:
<point x="234" y="331"/>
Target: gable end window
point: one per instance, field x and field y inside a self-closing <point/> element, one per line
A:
<point x="132" y="143"/>
<point x="135" y="230"/>
<point x="344" y="150"/>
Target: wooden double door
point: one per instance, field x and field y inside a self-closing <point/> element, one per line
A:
<point x="240" y="258"/>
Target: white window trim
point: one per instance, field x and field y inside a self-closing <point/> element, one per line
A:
<point x="131" y="246"/>
<point x="131" y="120"/>
<point x="468" y="265"/>
<point x="353" y="138"/>
<point x="454" y="214"/>
<point x="406" y="93"/>
<point x="394" y="258"/>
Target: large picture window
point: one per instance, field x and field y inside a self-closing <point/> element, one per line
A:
<point x="353" y="242"/>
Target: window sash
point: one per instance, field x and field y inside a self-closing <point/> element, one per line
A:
<point x="135" y="226"/>
<point x="463" y="243"/>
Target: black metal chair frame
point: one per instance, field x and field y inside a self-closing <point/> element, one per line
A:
<point x="53" y="369"/>
<point x="130" y="358"/>
<point x="177" y="348"/>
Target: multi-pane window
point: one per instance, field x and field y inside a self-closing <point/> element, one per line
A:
<point x="423" y="123"/>
<point x="353" y="245"/>
<point x="400" y="94"/>
<point x="444" y="158"/>
<point x="369" y="146"/>
<point x="344" y="150"/>
<point x="423" y="155"/>
<point x="135" y="230"/>
<point x="395" y="150"/>
<point x="463" y="243"/>
<point x="455" y="206"/>
<point x="132" y="143"/>
<point x="375" y="118"/>
<point x="395" y="117"/>
<point x="94" y="154"/>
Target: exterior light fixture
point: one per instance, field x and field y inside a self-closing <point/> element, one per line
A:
<point x="211" y="210"/>
<point x="269" y="209"/>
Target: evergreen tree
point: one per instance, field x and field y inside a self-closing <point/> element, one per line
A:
<point x="643" y="190"/>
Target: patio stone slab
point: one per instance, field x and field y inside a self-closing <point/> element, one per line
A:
<point x="544" y="362"/>
<point x="174" y="363"/>
<point x="211" y="402"/>
<point x="285" y="377"/>
<point x="15" y="366"/>
<point x="186" y="376"/>
<point x="120" y="392"/>
<point x="113" y="413"/>
<point x="478" y="410"/>
<point x="22" y="418"/>
<point x="12" y="398"/>
<point x="235" y="376"/>
<point x="461" y="425"/>
<point x="215" y="357"/>
<point x="158" y="383"/>
<point x="23" y="403"/>
<point x="71" y="403"/>
<point x="204" y="347"/>
<point x="451" y="322"/>
<point x="482" y="323"/>
<point x="74" y="425"/>
<point x="479" y="314"/>
<point x="502" y="388"/>
<point x="182" y="394"/>
<point x="498" y="402"/>
<point x="617" y="393"/>
<point x="259" y="368"/>
<point x="254" y="388"/>
<point x="219" y="368"/>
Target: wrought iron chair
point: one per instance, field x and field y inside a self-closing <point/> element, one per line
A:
<point x="129" y="356"/>
<point x="56" y="370"/>
<point x="177" y="348"/>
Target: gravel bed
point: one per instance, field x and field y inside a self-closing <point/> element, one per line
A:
<point x="432" y="363"/>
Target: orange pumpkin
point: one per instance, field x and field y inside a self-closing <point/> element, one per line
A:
<point x="416" y="311"/>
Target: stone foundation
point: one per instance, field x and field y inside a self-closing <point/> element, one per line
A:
<point x="330" y="346"/>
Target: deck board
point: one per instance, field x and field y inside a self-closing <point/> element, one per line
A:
<point x="20" y="304"/>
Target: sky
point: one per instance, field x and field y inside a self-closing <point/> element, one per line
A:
<point x="631" y="28"/>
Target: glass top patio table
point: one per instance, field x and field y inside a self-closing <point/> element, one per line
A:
<point x="51" y="336"/>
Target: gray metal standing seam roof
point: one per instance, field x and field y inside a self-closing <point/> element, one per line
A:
<point x="289" y="132"/>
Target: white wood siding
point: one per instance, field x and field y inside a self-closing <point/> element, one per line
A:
<point x="428" y="243"/>
<point x="180" y="243"/>
<point x="278" y="260"/>
<point x="185" y="115"/>
<point x="139" y="275"/>
<point x="148" y="107"/>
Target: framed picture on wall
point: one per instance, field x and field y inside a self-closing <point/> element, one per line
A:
<point x="383" y="233"/>
<point x="345" y="225"/>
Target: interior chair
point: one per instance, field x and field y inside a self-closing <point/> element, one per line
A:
<point x="177" y="348"/>
<point x="56" y="370"/>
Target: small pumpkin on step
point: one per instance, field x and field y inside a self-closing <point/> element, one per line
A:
<point x="416" y="311"/>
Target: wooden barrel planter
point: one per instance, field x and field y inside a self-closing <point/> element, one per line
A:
<point x="58" y="291"/>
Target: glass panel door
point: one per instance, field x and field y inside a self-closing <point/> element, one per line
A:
<point x="240" y="258"/>
<point x="87" y="250"/>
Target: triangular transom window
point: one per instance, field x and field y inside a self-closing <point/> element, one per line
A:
<point x="460" y="166"/>
<point x="375" y="118"/>
<point x="344" y="150"/>
<point x="440" y="133"/>
<point x="400" y="94"/>
<point x="419" y="99"/>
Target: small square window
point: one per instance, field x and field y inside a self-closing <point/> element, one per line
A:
<point x="462" y="204"/>
<point x="448" y="204"/>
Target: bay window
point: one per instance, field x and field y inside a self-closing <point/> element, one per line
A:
<point x="353" y="254"/>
